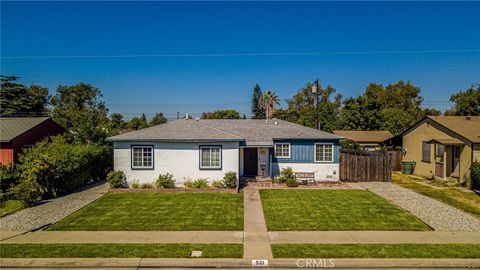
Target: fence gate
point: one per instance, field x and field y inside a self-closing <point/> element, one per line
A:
<point x="365" y="166"/>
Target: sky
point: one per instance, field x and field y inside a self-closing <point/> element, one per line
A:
<point x="201" y="56"/>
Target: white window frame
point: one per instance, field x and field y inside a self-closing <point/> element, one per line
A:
<point x="289" y="150"/>
<point x="315" y="153"/>
<point x="142" y="167"/>
<point x="219" y="167"/>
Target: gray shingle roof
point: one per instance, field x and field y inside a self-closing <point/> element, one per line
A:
<point x="253" y="132"/>
<point x="12" y="127"/>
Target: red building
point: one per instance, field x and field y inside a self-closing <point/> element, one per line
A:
<point x="19" y="132"/>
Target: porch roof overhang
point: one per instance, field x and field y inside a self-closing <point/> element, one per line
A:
<point x="447" y="141"/>
<point x="257" y="144"/>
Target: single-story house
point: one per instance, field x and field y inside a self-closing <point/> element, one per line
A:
<point x="443" y="147"/>
<point x="191" y="149"/>
<point x="19" y="132"/>
<point x="370" y="140"/>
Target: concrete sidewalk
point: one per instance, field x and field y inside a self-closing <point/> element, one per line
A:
<point x="141" y="263"/>
<point x="256" y="243"/>
<point x="143" y="237"/>
<point x="374" y="237"/>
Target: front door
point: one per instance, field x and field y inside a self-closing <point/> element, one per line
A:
<point x="250" y="161"/>
<point x="455" y="161"/>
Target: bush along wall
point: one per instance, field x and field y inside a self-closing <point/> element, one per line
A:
<point x="57" y="167"/>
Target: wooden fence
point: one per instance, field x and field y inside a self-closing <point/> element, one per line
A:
<point x="365" y="166"/>
<point x="395" y="159"/>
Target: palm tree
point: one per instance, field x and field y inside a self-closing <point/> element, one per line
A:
<point x="269" y="100"/>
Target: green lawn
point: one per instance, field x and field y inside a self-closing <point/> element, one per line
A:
<point x="120" y="250"/>
<point x="334" y="210"/>
<point x="376" y="251"/>
<point x="145" y="211"/>
<point x="10" y="206"/>
<point x="466" y="201"/>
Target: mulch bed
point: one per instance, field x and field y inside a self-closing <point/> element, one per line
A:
<point x="179" y="189"/>
<point x="316" y="185"/>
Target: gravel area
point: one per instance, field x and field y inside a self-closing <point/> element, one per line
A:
<point x="439" y="216"/>
<point x="51" y="211"/>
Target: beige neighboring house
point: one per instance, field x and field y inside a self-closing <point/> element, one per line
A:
<point x="370" y="140"/>
<point x="443" y="147"/>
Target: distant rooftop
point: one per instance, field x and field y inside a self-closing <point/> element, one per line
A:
<point x="250" y="131"/>
<point x="12" y="127"/>
<point x="373" y="136"/>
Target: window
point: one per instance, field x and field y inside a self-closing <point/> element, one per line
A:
<point x="282" y="150"/>
<point x="142" y="157"/>
<point x="210" y="157"/>
<point x="440" y="150"/>
<point x="323" y="152"/>
<point x="425" y="152"/>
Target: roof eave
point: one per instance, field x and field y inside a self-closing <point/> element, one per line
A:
<point x="173" y="140"/>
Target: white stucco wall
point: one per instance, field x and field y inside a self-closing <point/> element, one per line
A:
<point x="179" y="159"/>
<point x="321" y="170"/>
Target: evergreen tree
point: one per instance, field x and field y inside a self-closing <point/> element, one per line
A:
<point x="18" y="100"/>
<point x="258" y="110"/>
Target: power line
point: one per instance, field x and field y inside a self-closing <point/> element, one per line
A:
<point x="240" y="54"/>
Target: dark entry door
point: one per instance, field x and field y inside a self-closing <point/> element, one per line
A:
<point x="250" y="161"/>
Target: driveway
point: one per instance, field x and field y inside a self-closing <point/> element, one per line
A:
<point x="51" y="211"/>
<point x="438" y="215"/>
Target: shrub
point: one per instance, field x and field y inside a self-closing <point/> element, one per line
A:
<point x="291" y="182"/>
<point x="116" y="179"/>
<point x="475" y="174"/>
<point x="28" y="192"/>
<point x="218" y="184"/>
<point x="135" y="184"/>
<point x="9" y="177"/>
<point x="59" y="167"/>
<point x="188" y="183"/>
<point x="200" y="183"/>
<point x="285" y="175"/>
<point x="230" y="180"/>
<point x="165" y="181"/>
<point x="146" y="185"/>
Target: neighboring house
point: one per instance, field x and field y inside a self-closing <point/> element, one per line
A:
<point x="370" y="140"/>
<point x="192" y="149"/>
<point x="19" y="132"/>
<point x="443" y="146"/>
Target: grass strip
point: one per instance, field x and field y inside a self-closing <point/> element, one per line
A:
<point x="334" y="210"/>
<point x="10" y="206"/>
<point x="120" y="250"/>
<point x="376" y="250"/>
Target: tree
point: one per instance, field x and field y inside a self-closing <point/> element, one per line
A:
<point x="221" y="114"/>
<point x="302" y="108"/>
<point x="268" y="101"/>
<point x="18" y="100"/>
<point x="117" y="120"/>
<point x="394" y="108"/>
<point x="137" y="122"/>
<point x="158" y="119"/>
<point x="258" y="111"/>
<point x="466" y="102"/>
<point x="431" y="111"/>
<point x="78" y="109"/>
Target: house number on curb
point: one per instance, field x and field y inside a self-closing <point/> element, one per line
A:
<point x="259" y="263"/>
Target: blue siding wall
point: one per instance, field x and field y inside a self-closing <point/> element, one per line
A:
<point x="302" y="151"/>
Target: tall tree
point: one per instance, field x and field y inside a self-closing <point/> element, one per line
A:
<point x="302" y="107"/>
<point x="268" y="101"/>
<point x="221" y="114"/>
<point x="466" y="102"/>
<point x="158" y="119"/>
<point x="258" y="111"/>
<point x="18" y="100"/>
<point x="78" y="108"/>
<point x="137" y="122"/>
<point x="117" y="120"/>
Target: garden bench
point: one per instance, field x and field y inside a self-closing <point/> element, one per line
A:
<point x="305" y="177"/>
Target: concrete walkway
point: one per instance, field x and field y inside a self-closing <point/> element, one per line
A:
<point x="143" y="237"/>
<point x="374" y="237"/>
<point x="51" y="211"/>
<point x="144" y="263"/>
<point x="256" y="244"/>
